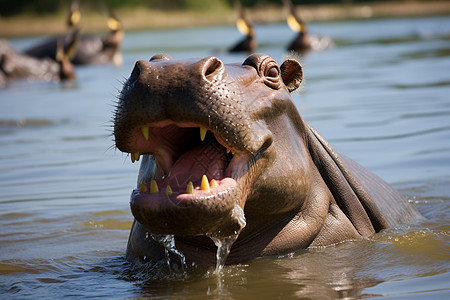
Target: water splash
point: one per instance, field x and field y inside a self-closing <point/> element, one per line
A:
<point x="168" y="242"/>
<point x="224" y="243"/>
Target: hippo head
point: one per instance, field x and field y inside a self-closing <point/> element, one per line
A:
<point x="212" y="139"/>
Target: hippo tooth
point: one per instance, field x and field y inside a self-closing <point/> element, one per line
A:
<point x="144" y="131"/>
<point x="168" y="190"/>
<point x="232" y="151"/>
<point x="213" y="183"/>
<point x="154" y="187"/>
<point x="203" y="131"/>
<point x="135" y="156"/>
<point x="190" y="188"/>
<point x="204" y="186"/>
<point x="143" y="188"/>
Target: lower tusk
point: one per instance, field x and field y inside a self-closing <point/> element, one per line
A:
<point x="168" y="191"/>
<point x="190" y="188"/>
<point x="154" y="187"/>
<point x="204" y="186"/>
<point x="213" y="183"/>
<point x="143" y="188"/>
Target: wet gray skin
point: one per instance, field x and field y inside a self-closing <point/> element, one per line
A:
<point x="295" y="189"/>
<point x="15" y="65"/>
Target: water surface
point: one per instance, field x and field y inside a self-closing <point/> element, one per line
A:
<point x="381" y="96"/>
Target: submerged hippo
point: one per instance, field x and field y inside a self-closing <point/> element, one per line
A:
<point x="225" y="153"/>
<point x="245" y="26"/>
<point x="15" y="65"/>
<point x="304" y="41"/>
<point x="91" y="49"/>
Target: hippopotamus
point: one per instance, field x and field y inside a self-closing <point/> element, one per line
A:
<point x="225" y="152"/>
<point x="304" y="41"/>
<point x="245" y="26"/>
<point x="15" y="65"/>
<point x="91" y="49"/>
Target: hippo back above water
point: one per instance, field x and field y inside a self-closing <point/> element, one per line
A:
<point x="15" y="65"/>
<point x="225" y="153"/>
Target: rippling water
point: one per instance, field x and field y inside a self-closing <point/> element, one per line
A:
<point x="381" y="96"/>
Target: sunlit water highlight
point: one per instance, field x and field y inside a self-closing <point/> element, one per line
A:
<point x="380" y="96"/>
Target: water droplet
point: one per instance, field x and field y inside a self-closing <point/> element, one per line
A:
<point x="224" y="243"/>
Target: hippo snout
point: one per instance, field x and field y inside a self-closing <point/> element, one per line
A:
<point x="189" y="93"/>
<point x="209" y="69"/>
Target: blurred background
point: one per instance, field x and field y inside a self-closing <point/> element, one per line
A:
<point x="46" y="15"/>
<point x="376" y="86"/>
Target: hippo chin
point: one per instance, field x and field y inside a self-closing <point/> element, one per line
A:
<point x="225" y="151"/>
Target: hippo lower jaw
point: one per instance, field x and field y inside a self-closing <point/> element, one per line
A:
<point x="188" y="185"/>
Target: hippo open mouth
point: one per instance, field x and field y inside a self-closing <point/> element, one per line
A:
<point x="186" y="167"/>
<point x="194" y="166"/>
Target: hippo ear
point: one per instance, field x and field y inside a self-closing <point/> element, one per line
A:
<point x="292" y="74"/>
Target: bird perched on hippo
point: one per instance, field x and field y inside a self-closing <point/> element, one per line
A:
<point x="226" y="156"/>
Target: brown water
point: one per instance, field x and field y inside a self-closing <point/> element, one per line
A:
<point x="381" y="96"/>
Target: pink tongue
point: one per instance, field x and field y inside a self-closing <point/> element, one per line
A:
<point x="209" y="159"/>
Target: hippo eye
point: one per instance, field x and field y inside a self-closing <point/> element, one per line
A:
<point x="267" y="69"/>
<point x="272" y="72"/>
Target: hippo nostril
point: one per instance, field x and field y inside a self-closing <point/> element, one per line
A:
<point x="135" y="74"/>
<point x="213" y="68"/>
<point x="160" y="57"/>
<point x="267" y="143"/>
